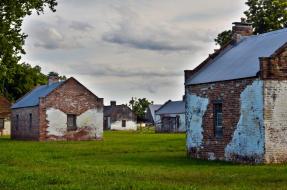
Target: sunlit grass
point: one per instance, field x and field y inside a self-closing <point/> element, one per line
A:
<point x="125" y="160"/>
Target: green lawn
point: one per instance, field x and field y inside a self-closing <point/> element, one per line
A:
<point x="125" y="160"/>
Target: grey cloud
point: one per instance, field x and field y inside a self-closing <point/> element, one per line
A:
<point x="50" y="38"/>
<point x="152" y="86"/>
<point x="147" y="44"/>
<point x="105" y="70"/>
<point x="81" y="26"/>
<point x="150" y="35"/>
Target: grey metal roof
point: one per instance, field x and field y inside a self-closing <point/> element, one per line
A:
<point x="172" y="107"/>
<point x="153" y="108"/>
<point x="32" y="98"/>
<point x="242" y="59"/>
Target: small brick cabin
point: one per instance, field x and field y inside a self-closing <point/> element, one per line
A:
<point x="236" y="103"/>
<point x="119" y="117"/>
<point x="64" y="110"/>
<point x="5" y="112"/>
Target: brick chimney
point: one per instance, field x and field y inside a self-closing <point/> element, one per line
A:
<point x="53" y="79"/>
<point x="113" y="103"/>
<point x="241" y="29"/>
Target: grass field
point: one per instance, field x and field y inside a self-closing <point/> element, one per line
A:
<point x="125" y="160"/>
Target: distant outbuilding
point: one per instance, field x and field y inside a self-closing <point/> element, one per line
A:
<point x="119" y="117"/>
<point x="5" y="112"/>
<point x="170" y="117"/>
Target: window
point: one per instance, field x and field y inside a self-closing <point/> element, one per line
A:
<point x="1" y="123"/>
<point x="30" y="121"/>
<point x="218" y="120"/>
<point x="71" y="122"/>
<point x="17" y="122"/>
<point x="124" y="123"/>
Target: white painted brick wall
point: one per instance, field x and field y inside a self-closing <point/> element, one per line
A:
<point x="275" y="115"/>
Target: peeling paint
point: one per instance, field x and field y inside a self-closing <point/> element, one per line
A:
<point x="89" y="124"/>
<point x="248" y="139"/>
<point x="195" y="110"/>
<point x="92" y="119"/>
<point x="57" y="125"/>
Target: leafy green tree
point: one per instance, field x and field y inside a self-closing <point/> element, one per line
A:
<point x="139" y="106"/>
<point x="17" y="79"/>
<point x="264" y="15"/>
<point x="12" y="14"/>
<point x="223" y="38"/>
<point x="267" y="15"/>
<point x="52" y="73"/>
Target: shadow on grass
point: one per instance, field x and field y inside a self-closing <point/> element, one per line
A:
<point x="5" y="138"/>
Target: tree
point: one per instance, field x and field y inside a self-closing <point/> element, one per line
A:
<point x="223" y="38"/>
<point x="53" y="73"/>
<point x="16" y="79"/>
<point x="264" y="15"/>
<point x="139" y="106"/>
<point x="12" y="14"/>
<point x="267" y="15"/>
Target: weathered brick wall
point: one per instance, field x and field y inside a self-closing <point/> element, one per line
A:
<point x="70" y="98"/>
<point x="274" y="73"/>
<point x="229" y="92"/>
<point x="24" y="131"/>
<point x="275" y="115"/>
<point x="274" y="68"/>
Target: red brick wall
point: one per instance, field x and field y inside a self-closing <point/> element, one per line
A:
<point x="70" y="98"/>
<point x="229" y="92"/>
<point x="274" y="68"/>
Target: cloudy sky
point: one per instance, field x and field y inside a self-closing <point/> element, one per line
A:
<point x="125" y="48"/>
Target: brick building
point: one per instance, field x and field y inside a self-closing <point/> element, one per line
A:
<point x="60" y="110"/>
<point x="236" y="103"/>
<point x="5" y="112"/>
<point x="119" y="117"/>
<point x="170" y="117"/>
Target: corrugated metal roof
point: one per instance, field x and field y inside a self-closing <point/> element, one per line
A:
<point x="241" y="60"/>
<point x="32" y="98"/>
<point x="153" y="108"/>
<point x="172" y="107"/>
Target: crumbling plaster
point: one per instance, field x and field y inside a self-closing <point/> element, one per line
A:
<point x="91" y="121"/>
<point x="248" y="139"/>
<point x="195" y="109"/>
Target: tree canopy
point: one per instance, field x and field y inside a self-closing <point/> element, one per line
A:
<point x="264" y="15"/>
<point x="17" y="79"/>
<point x="139" y="106"/>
